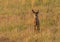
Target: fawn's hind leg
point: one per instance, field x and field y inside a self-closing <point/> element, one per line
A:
<point x="36" y="28"/>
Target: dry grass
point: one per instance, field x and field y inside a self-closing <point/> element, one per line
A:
<point x="17" y="21"/>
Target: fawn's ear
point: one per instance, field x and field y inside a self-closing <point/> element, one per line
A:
<point x="36" y="11"/>
<point x="33" y="11"/>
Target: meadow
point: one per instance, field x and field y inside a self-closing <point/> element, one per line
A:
<point x="17" y="20"/>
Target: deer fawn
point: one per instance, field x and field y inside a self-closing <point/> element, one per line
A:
<point x="36" y="21"/>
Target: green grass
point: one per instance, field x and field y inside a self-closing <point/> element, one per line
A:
<point x="8" y="28"/>
<point x="51" y="22"/>
<point x="20" y="27"/>
<point x="38" y="3"/>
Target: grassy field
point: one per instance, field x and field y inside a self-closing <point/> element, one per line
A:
<point x="17" y="20"/>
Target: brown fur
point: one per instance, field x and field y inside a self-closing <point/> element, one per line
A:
<point x="36" y="21"/>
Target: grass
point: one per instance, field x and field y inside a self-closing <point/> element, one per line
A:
<point x="8" y="28"/>
<point x="21" y="17"/>
<point x="51" y="22"/>
<point x="38" y="3"/>
<point x="21" y="27"/>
